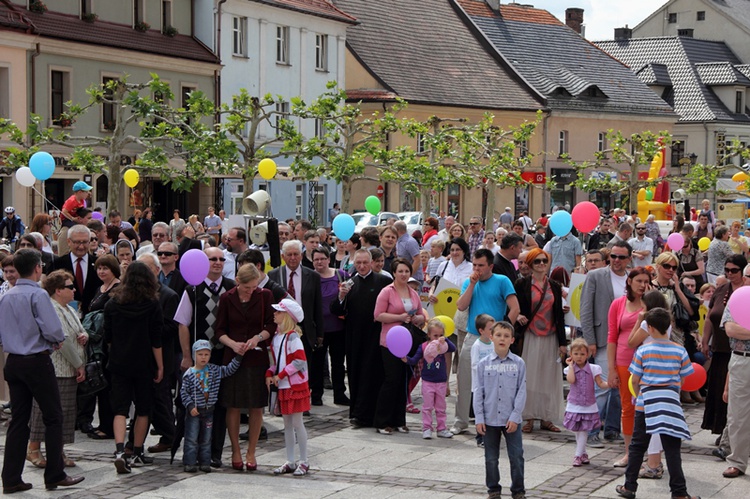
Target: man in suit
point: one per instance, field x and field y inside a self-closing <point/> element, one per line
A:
<point x="600" y="289"/>
<point x="303" y="285"/>
<point x="511" y="247"/>
<point x="81" y="264"/>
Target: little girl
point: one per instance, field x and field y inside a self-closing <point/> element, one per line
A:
<point x="289" y="374"/>
<point x="434" y="378"/>
<point x="582" y="414"/>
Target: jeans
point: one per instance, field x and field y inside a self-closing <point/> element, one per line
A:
<point x="607" y="400"/>
<point x="492" y="457"/>
<point x="198" y="438"/>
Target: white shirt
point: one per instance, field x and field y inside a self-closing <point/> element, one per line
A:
<point x="618" y="283"/>
<point x="297" y="282"/>
<point x="84" y="266"/>
<point x="456" y="275"/>
<point x="647" y="244"/>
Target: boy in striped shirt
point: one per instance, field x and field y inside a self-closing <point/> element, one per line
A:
<point x="657" y="370"/>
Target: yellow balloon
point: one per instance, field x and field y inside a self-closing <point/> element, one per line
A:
<point x="704" y="243"/>
<point x="267" y="168"/>
<point x="131" y="177"/>
<point x="450" y="326"/>
<point x="630" y="385"/>
<point x="740" y="177"/>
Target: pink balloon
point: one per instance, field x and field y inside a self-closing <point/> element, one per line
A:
<point x="737" y="305"/>
<point x="194" y="266"/>
<point x="398" y="341"/>
<point x="515" y="263"/>
<point x="675" y="241"/>
<point x="585" y="216"/>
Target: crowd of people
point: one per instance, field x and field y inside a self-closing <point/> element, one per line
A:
<point x="193" y="360"/>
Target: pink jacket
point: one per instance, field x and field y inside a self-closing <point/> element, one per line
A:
<point x="390" y="302"/>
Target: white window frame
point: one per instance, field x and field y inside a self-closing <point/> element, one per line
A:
<point x="320" y="129"/>
<point x="523" y="149"/>
<point x="140" y="6"/>
<point x="284" y="108"/>
<point x="562" y="143"/>
<point x="601" y="142"/>
<point x="67" y="86"/>
<point x="320" y="204"/>
<point x="166" y="23"/>
<point x="282" y="45"/>
<point x="102" y="76"/>
<point x="239" y="36"/>
<point x="321" y="52"/>
<point x="420" y="143"/>
<point x="5" y="91"/>
<point x="299" y="199"/>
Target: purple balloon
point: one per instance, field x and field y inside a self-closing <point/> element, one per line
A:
<point x="194" y="266"/>
<point x="675" y="241"/>
<point x="398" y="341"/>
<point x="97" y="216"/>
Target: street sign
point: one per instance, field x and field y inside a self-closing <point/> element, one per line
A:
<point x="534" y="177"/>
<point x="380" y="191"/>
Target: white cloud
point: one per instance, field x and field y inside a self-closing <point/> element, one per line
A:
<point x="601" y="17"/>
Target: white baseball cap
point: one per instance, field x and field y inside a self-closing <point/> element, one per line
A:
<point x="292" y="308"/>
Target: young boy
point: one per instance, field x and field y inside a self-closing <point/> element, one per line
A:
<point x="657" y="370"/>
<point x="199" y="393"/>
<point x="481" y="349"/>
<point x="499" y="400"/>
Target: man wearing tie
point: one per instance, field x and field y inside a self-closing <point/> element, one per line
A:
<point x="82" y="265"/>
<point x="303" y="285"/>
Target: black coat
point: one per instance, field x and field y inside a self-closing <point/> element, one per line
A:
<point x="91" y="284"/>
<point x="523" y="292"/>
<point x="312" y="300"/>
<point x="168" y="300"/>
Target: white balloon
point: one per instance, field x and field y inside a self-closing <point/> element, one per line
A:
<point x="25" y="177"/>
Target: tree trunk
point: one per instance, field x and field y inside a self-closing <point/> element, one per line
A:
<point x="425" y="193"/>
<point x="489" y="216"/>
<point x="633" y="188"/>
<point x="346" y="194"/>
<point x="114" y="177"/>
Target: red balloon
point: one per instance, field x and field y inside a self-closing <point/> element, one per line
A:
<point x="585" y="216"/>
<point x="696" y="380"/>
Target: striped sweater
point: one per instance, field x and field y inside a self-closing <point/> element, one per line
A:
<point x="193" y="394"/>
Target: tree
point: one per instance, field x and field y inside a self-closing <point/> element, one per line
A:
<point x="161" y="131"/>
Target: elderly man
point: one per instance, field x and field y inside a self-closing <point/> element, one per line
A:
<point x="408" y="249"/>
<point x="81" y="264"/>
<point x="285" y="233"/>
<point x="445" y="232"/>
<point x="475" y="236"/>
<point x="159" y="235"/>
<point x="168" y="256"/>
<point x="506" y="217"/>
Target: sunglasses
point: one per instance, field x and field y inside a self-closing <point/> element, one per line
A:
<point x="165" y="253"/>
<point x="727" y="270"/>
<point x="94" y="239"/>
<point x="70" y="286"/>
<point x="667" y="266"/>
<point x="619" y="257"/>
<point x="216" y="259"/>
<point x="541" y="261"/>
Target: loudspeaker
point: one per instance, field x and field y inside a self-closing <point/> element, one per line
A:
<point x="273" y="242"/>
<point x="256" y="203"/>
<point x="258" y="234"/>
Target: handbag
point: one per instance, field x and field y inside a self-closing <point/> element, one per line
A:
<point x="95" y="380"/>
<point x="274" y="406"/>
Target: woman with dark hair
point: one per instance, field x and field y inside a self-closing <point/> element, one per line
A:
<point x="431" y="227"/>
<point x="623" y="316"/>
<point x="125" y="254"/>
<point x="113" y="234"/>
<point x="174" y="225"/>
<point x="132" y="329"/>
<point x="397" y="304"/>
<point x="145" y="225"/>
<point x="132" y="236"/>
<point x="715" y="413"/>
<point x="691" y="259"/>
<point x="541" y="326"/>
<point x="388" y="239"/>
<point x="353" y="244"/>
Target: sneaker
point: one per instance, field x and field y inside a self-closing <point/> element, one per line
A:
<point x="121" y="464"/>
<point x="585" y="459"/>
<point x="480" y="443"/>
<point x="720" y="453"/>
<point x="457" y="430"/>
<point x="427" y="434"/>
<point x="494" y="495"/>
<point x="385" y="431"/>
<point x="301" y="469"/>
<point x="519" y="495"/>
<point x="284" y="469"/>
<point x="403" y="429"/>
<point x="205" y="468"/>
<point x="577" y="462"/>
<point x="653" y="473"/>
<point x="594" y="442"/>
<point x="190" y="468"/>
<point x="141" y="460"/>
<point x="444" y="434"/>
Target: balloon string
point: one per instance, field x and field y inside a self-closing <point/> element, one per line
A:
<point x="44" y="198"/>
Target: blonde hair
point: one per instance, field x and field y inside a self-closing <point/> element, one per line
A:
<point x="247" y="273"/>
<point x="666" y="257"/>
<point x="287" y="323"/>
<point x="579" y="343"/>
<point x="436" y="323"/>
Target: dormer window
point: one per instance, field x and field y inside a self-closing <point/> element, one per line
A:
<point x="739" y="101"/>
<point x="561" y="92"/>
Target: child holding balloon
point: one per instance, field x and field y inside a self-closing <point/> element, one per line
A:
<point x="434" y="377"/>
<point x="581" y="413"/>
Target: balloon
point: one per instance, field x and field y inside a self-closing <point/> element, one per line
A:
<point x="267" y="169"/>
<point x="131" y="177"/>
<point x="398" y="340"/>
<point x="97" y="216"/>
<point x="515" y="263"/>
<point x="448" y="323"/>
<point x="675" y="241"/>
<point x="740" y="177"/>
<point x="696" y="380"/>
<point x="560" y="223"/>
<point x="630" y="385"/>
<point x="649" y="194"/>
<point x="25" y="177"/>
<point x="372" y="205"/>
<point x="194" y="266"/>
<point x="585" y="216"/>
<point x="343" y="226"/>
<point x="738" y="306"/>
<point x="42" y="165"/>
<point x="704" y="243"/>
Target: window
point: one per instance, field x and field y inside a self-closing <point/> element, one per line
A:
<point x="320" y="129"/>
<point x="321" y="52"/>
<point x="420" y="143"/>
<point x="739" y="104"/>
<point x="59" y="94"/>
<point x="86" y="8"/>
<point x="601" y="142"/>
<point x="688" y="32"/>
<point x="239" y="36"/>
<point x="320" y="205"/>
<point x="700" y="15"/>
<point x="562" y="147"/>
<point x="4" y="92"/>
<point x="185" y="91"/>
<point x="108" y="109"/>
<point x="139" y="12"/>
<point x="160" y="99"/>
<point x="672" y="18"/>
<point x="166" y="15"/>
<point x="283" y="109"/>
<point x="282" y="44"/>
<point x="678" y="152"/>
<point x="299" y="197"/>
<point x="523" y="149"/>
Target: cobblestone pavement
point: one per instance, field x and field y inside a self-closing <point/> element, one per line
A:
<point x="359" y="463"/>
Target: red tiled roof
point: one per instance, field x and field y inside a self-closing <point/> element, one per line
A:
<point x="10" y="18"/>
<point x="510" y="12"/>
<point x="321" y="8"/>
<point x="356" y="95"/>
<point x="108" y="34"/>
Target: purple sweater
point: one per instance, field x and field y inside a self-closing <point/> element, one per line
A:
<point x="435" y="371"/>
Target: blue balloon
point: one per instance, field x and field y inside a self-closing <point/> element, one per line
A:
<point x="42" y="165"/>
<point x="343" y="226"/>
<point x="561" y="222"/>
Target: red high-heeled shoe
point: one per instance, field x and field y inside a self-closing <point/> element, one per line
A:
<point x="238" y="466"/>
<point x="251" y="466"/>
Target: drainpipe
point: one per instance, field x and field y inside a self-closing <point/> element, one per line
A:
<point x="34" y="55"/>
<point x="217" y="50"/>
<point x="546" y="195"/>
<point x="705" y="146"/>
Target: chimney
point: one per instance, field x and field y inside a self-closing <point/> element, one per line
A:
<point x="494" y="5"/>
<point x="623" y="33"/>
<point x="574" y="18"/>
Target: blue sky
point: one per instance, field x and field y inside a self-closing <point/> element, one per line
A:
<point x="600" y="16"/>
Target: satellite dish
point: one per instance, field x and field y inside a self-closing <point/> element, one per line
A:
<point x="259" y="233"/>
